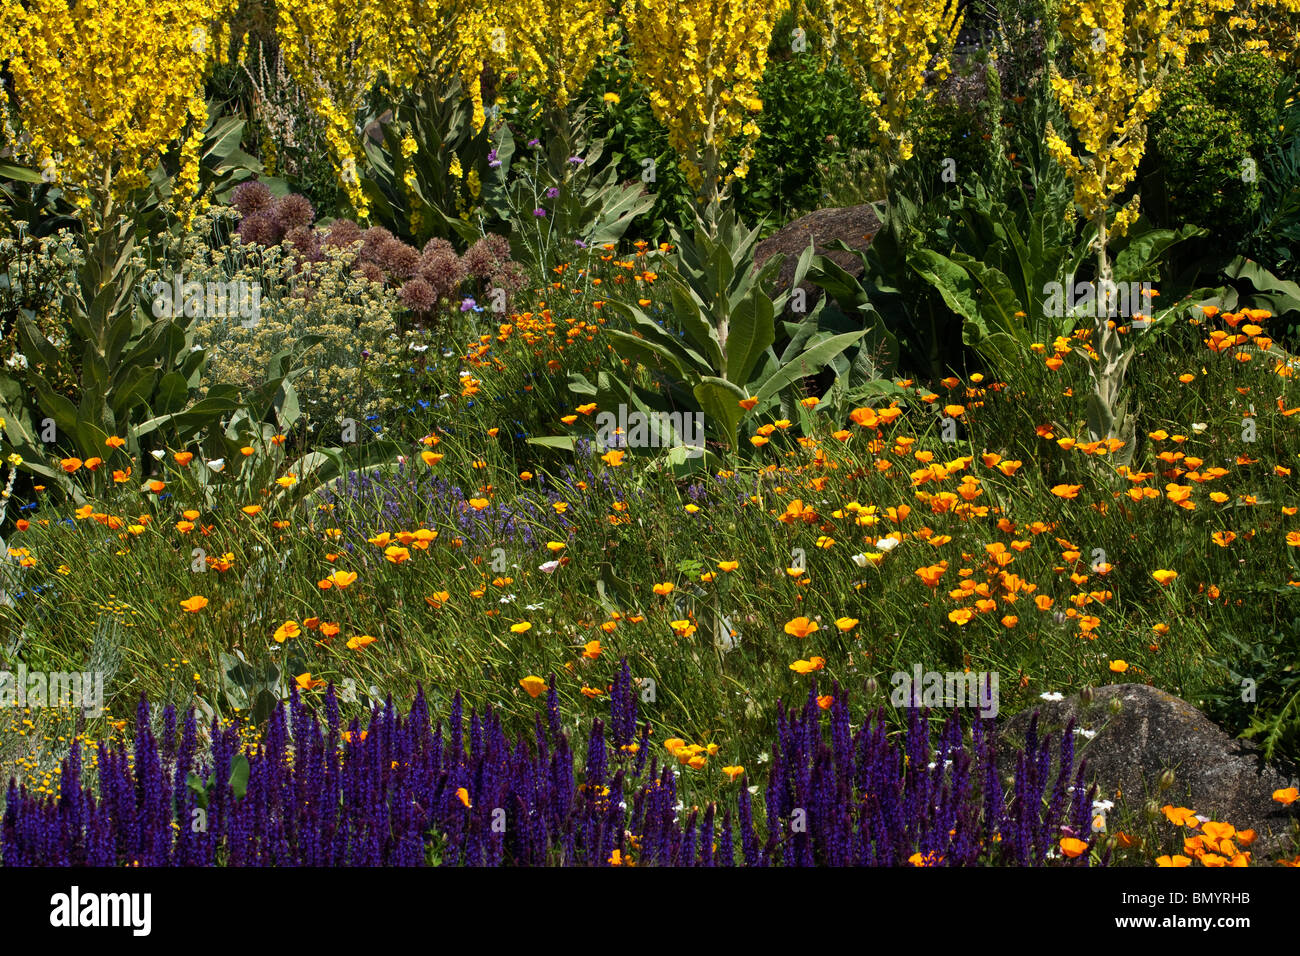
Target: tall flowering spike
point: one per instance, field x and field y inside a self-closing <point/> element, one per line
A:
<point x="345" y="48"/>
<point x="553" y="46"/>
<point x="643" y="749"/>
<point x="388" y="796"/>
<point x="702" y="61"/>
<point x="596" y="754"/>
<point x="1120" y="52"/>
<point x="99" y="112"/>
<point x="454" y="731"/>
<point x="623" y="707"/>
<point x="888" y="48"/>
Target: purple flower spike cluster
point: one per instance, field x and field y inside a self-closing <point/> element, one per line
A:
<point x="860" y="800"/>
<point x="408" y="791"/>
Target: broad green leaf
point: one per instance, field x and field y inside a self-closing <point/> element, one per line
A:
<point x="807" y="364"/>
<point x="720" y="401"/>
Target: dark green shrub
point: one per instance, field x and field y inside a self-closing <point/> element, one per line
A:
<point x="1213" y="124"/>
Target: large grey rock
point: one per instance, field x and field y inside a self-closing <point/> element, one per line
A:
<point x="855" y="225"/>
<point x="1140" y="733"/>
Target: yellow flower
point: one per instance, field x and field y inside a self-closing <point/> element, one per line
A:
<point x="533" y="685"/>
<point x="801" y="627"/>
<point x="339" y="579"/>
<point x="808" y="666"/>
<point x="286" y="630"/>
<point x="701" y="62"/>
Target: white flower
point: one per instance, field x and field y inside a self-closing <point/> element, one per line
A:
<point x="419" y="348"/>
<point x="217" y="464"/>
<point x="159" y="454"/>
<point x="548" y="567"/>
<point x="1199" y="427"/>
<point x="860" y="560"/>
<point x="508" y="599"/>
<point x="533" y="607"/>
<point x="464" y="374"/>
<point x="887" y="544"/>
<point x="1101" y="806"/>
<point x="1053" y="696"/>
<point x="1085" y="734"/>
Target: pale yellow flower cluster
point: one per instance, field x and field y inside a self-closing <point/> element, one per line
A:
<point x="552" y="45"/>
<point x="886" y="46"/>
<point x="1121" y="50"/>
<point x="103" y="87"/>
<point x="326" y="299"/>
<point x="701" y="61"/>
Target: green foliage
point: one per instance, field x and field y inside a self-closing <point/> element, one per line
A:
<point x="1250" y="285"/>
<point x="573" y="183"/>
<point x="26" y="197"/>
<point x="962" y="124"/>
<point x="718" y="348"/>
<point x="133" y="373"/>
<point x="1213" y="124"/>
<point x="435" y="189"/>
<point x="1275" y="238"/>
<point x="629" y="129"/>
<point x="1261" y="698"/>
<point x="809" y="118"/>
